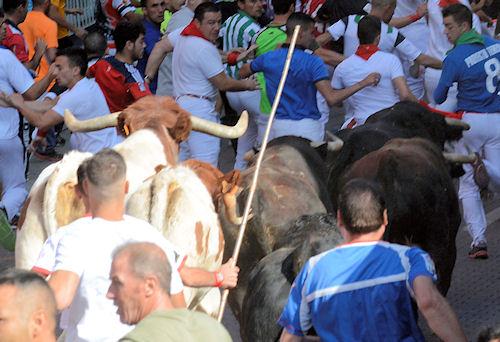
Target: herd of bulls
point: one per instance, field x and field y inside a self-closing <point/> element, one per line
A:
<point x="293" y="209"/>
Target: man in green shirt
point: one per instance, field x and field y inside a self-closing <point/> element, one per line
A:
<point x="140" y="287"/>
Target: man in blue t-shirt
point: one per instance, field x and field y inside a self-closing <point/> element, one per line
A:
<point x="363" y="290"/>
<point x="298" y="113"/>
<point x="153" y="16"/>
<point x="474" y="63"/>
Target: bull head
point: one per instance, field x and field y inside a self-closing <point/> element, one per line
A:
<point x="151" y="111"/>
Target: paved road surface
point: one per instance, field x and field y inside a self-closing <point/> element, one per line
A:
<point x="475" y="289"/>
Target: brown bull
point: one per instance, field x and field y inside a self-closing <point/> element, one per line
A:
<point x="421" y="199"/>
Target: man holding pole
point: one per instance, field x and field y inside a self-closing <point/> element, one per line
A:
<point x="298" y="113"/>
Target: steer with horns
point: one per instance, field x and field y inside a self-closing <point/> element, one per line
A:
<point x="159" y="189"/>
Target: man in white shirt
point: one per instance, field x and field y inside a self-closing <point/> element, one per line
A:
<point x="391" y="40"/>
<point x="438" y="46"/>
<point x="13" y="78"/>
<point x="392" y="86"/>
<point x="83" y="98"/>
<point x="84" y="254"/>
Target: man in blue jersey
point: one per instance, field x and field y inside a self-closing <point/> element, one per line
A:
<point x="474" y="63"/>
<point x="298" y="112"/>
<point x="363" y="290"/>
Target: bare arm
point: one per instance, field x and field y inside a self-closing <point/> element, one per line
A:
<point x="329" y="57"/>
<point x="436" y="310"/>
<point x="403" y="90"/>
<point x="334" y="96"/>
<point x="324" y="38"/>
<point x="61" y="21"/>
<point x="40" y="47"/>
<point x="38" y="88"/>
<point x="157" y="55"/>
<point x="64" y="285"/>
<point x="197" y="277"/>
<point x="429" y="61"/>
<point x="224" y="83"/>
<point x="405" y="21"/>
<point x="245" y="71"/>
<point x="41" y="120"/>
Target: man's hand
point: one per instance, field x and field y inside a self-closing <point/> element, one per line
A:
<point x="230" y="272"/>
<point x="81" y="33"/>
<point x="370" y="80"/>
<point x="251" y="83"/>
<point x="422" y="10"/>
<point x="73" y="11"/>
<point x="248" y="53"/>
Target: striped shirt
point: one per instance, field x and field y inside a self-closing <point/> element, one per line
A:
<point x="237" y="32"/>
<point x="358" y="292"/>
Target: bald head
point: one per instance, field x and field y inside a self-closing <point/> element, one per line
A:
<point x="146" y="259"/>
<point x="27" y="307"/>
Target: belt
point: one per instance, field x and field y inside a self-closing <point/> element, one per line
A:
<point x="195" y="96"/>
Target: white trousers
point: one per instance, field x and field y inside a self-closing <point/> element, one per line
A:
<point x="484" y="138"/>
<point x="305" y="128"/>
<point x="249" y="101"/>
<point x="431" y="81"/>
<point x="12" y="179"/>
<point x="198" y="145"/>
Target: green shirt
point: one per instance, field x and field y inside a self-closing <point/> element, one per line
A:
<point x="267" y="40"/>
<point x="180" y="325"/>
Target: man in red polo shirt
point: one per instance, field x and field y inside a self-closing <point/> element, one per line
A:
<point x="120" y="81"/>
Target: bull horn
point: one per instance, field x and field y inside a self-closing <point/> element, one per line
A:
<point x="95" y="124"/>
<point x="456" y="122"/>
<point x="222" y="131"/>
<point x="335" y="144"/>
<point x="459" y="158"/>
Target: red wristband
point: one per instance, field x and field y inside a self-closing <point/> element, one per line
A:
<point x="232" y="57"/>
<point x="41" y="134"/>
<point x="414" y="17"/>
<point x="219" y="278"/>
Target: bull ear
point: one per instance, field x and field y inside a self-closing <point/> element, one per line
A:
<point x="180" y="131"/>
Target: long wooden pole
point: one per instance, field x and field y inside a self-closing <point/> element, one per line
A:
<point x="253" y="186"/>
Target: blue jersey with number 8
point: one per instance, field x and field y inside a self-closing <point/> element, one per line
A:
<point x="476" y="68"/>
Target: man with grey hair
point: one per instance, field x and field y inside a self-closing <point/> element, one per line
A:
<point x="27" y="308"/>
<point x="140" y="288"/>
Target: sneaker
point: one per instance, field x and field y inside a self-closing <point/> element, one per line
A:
<point x="479" y="251"/>
<point x="481" y="176"/>
<point x="49" y="154"/>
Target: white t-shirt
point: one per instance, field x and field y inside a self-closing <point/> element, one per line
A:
<point x="370" y="99"/>
<point x="86" y="249"/>
<point x="438" y="43"/>
<point x="194" y="61"/>
<point x="13" y="78"/>
<point x="86" y="101"/>
<point x="390" y="38"/>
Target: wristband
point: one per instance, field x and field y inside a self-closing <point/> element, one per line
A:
<point x="41" y="134"/>
<point x="232" y="57"/>
<point x="219" y="278"/>
<point x="414" y="17"/>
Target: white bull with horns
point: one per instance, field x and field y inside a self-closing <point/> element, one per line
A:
<point x="169" y="196"/>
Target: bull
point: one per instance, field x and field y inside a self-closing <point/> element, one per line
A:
<point x="421" y="200"/>
<point x="271" y="279"/>
<point x="291" y="184"/>
<point x="154" y="127"/>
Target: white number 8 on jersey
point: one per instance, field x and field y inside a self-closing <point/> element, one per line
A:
<point x="492" y="68"/>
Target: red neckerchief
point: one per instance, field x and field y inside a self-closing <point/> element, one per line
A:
<point x="446" y="3"/>
<point x="193" y="30"/>
<point x="365" y="51"/>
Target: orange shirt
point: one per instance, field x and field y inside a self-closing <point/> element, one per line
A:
<point x="38" y="25"/>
